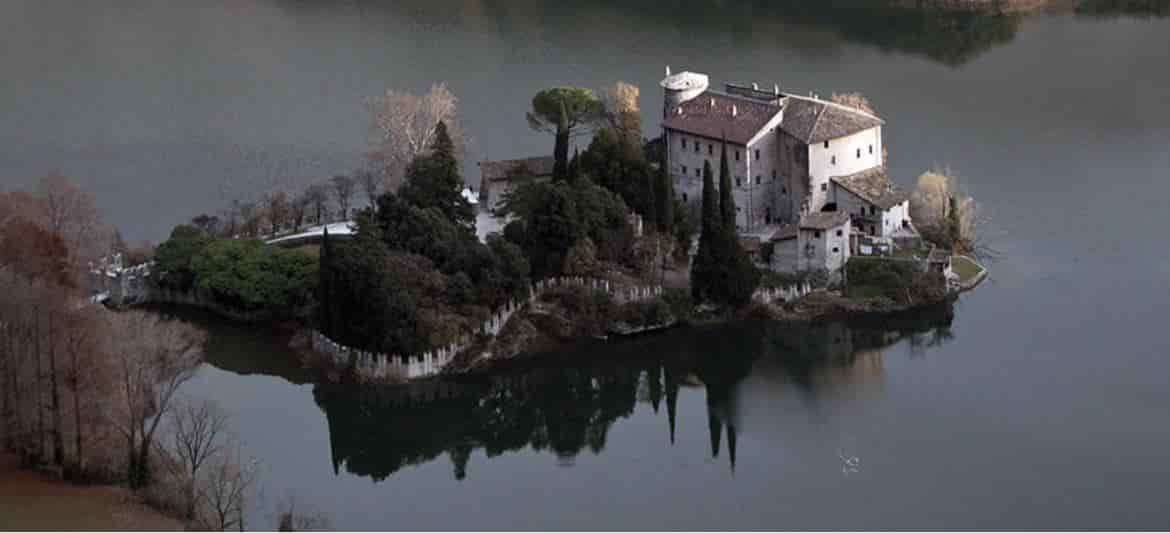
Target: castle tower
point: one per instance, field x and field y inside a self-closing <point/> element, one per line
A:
<point x="678" y="88"/>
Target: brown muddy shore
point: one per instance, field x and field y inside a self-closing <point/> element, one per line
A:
<point x="31" y="500"/>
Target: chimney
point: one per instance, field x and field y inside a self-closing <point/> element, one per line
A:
<point x="667" y="71"/>
<point x="755" y="86"/>
<point x="734" y="110"/>
<point x="776" y="89"/>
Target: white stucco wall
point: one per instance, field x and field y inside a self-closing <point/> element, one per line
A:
<point x="892" y="219"/>
<point x="841" y="159"/>
<point x="686" y="169"/>
<point x="822" y="248"/>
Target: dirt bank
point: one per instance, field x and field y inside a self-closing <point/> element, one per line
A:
<point x="33" y="501"/>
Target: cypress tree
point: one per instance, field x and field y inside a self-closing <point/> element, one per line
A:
<point x="726" y="199"/>
<point x="665" y="197"/>
<point x="324" y="286"/>
<point x="704" y="270"/>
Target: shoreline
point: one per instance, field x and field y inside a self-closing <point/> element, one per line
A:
<point x="34" y="500"/>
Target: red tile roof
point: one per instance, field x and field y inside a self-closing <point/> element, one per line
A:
<point x="717" y="116"/>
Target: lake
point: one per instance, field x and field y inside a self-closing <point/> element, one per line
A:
<point x="1038" y="401"/>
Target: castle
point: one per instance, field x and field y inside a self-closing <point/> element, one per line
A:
<point x="809" y="174"/>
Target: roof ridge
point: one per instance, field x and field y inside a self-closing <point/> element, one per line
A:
<point x="837" y="105"/>
<point x="812" y="131"/>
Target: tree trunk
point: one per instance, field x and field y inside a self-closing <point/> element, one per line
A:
<point x="55" y="399"/>
<point x="38" y="397"/>
<point x="561" y="156"/>
<point x="79" y="451"/>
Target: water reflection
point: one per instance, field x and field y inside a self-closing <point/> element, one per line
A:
<point x="377" y="431"/>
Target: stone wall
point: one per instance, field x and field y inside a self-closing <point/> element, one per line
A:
<point x="786" y="293"/>
<point x="380" y="367"/>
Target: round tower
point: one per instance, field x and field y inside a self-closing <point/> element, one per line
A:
<point x="678" y="88"/>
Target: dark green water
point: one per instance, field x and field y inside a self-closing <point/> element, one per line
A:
<point x="1042" y="403"/>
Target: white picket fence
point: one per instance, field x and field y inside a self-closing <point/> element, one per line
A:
<point x="379" y="367"/>
<point x="785" y="293"/>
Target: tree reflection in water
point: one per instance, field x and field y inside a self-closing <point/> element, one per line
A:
<point x="377" y="430"/>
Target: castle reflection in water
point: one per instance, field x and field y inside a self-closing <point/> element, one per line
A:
<point x="564" y="409"/>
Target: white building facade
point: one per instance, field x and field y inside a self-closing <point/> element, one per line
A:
<point x="791" y="157"/>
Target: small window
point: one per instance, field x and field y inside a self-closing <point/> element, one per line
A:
<point x="684" y="143"/>
<point x="697" y="172"/>
<point x="871" y="149"/>
<point x="710" y="149"/>
<point x="859" y="153"/>
<point x="838" y="233"/>
<point x="737" y="155"/>
<point x="757" y="155"/>
<point x="696" y="147"/>
<point x="738" y="182"/>
<point x="835" y="249"/>
<point x="773" y="175"/>
<point x="685" y="171"/>
<point x="817" y="234"/>
<point x="757" y="179"/>
<point x="833" y="160"/>
<point x="684" y="197"/>
<point x="783" y="190"/>
<point x="824" y="187"/>
<point x="826" y="144"/>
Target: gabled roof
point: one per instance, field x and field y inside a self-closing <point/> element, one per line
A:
<point x="814" y="121"/>
<point x="823" y="220"/>
<point x="873" y="186"/>
<point x="717" y="115"/>
<point x="500" y="170"/>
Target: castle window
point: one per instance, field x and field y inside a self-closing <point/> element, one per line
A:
<point x="738" y="182"/>
<point x="833" y="160"/>
<point x="871" y="149"/>
<point x="684" y="197"/>
<point x="859" y="153"/>
<point x="710" y="149"/>
<point x="757" y="179"/>
<point x="697" y="174"/>
<point x="817" y="234"/>
<point x="684" y="143"/>
<point x="737" y="155"/>
<point x="826" y="144"/>
<point x="757" y="155"/>
<point x="783" y="190"/>
<point x="835" y="249"/>
<point x="773" y="175"/>
<point x="684" y="167"/>
<point x="696" y="147"/>
<point x="838" y="234"/>
<point x="824" y="187"/>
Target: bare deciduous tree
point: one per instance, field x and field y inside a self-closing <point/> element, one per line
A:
<point x="277" y="207"/>
<point x="297" y="516"/>
<point x="370" y="184"/>
<point x="151" y="358"/>
<point x="226" y="489"/>
<point x="198" y="434"/>
<point x="298" y="208"/>
<point x="622" y="112"/>
<point x="946" y="214"/>
<point x="343" y="191"/>
<point x="72" y="215"/>
<point x="404" y="128"/>
<point x="318" y="198"/>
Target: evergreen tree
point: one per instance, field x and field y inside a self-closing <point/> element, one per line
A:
<point x="575" y="166"/>
<point x="561" y="147"/>
<point x="325" y="286"/>
<point x="433" y="180"/>
<point x="726" y="199"/>
<point x="664" y="196"/>
<point x="704" y="270"/>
